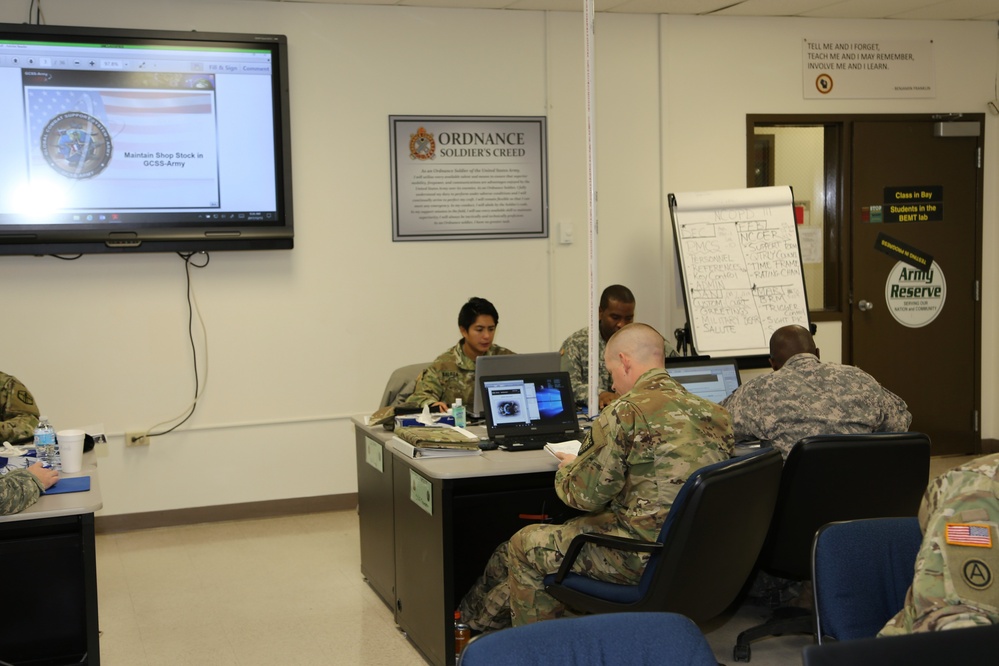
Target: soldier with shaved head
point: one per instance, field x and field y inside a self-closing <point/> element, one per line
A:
<point x="639" y="452"/>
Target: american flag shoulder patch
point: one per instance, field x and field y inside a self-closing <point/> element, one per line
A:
<point x="969" y="534"/>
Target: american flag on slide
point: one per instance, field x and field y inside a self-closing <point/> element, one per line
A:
<point x="44" y="104"/>
<point x="141" y="119"/>
<point x="968" y="534"/>
<point x="145" y="121"/>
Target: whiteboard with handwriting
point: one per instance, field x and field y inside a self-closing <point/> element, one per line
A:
<point x="740" y="266"/>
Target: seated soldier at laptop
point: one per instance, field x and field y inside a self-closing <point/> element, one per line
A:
<point x="804" y="397"/>
<point x="616" y="310"/>
<point x="639" y="452"/>
<point x="452" y="374"/>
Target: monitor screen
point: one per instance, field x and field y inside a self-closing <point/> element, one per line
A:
<point x="136" y="140"/>
<point x="713" y="379"/>
<point x="525" y="403"/>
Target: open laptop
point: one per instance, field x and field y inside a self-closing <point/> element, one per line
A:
<point x="526" y="411"/>
<point x="510" y="364"/>
<point x="713" y="379"/>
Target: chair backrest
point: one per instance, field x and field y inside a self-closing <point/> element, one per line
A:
<point x="861" y="570"/>
<point x="828" y="478"/>
<point x="976" y="646"/>
<point x="401" y="383"/>
<point x="713" y="535"/>
<point x="632" y="639"/>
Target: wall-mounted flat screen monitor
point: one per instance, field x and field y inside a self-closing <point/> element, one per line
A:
<point x="119" y="140"/>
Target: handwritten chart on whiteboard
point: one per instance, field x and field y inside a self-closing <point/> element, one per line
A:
<point x="740" y="266"/>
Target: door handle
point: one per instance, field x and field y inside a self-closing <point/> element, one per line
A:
<point x="864" y="306"/>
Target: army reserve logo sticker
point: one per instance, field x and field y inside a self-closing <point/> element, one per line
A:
<point x="76" y="145"/>
<point x="977" y="574"/>
<point x="422" y="145"/>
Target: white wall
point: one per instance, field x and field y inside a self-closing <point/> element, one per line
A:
<point x="299" y="341"/>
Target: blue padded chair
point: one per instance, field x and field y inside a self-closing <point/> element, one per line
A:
<point x="705" y="551"/>
<point x="861" y="570"/>
<point x="632" y="639"/>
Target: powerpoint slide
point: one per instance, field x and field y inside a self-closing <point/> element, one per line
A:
<point x="121" y="148"/>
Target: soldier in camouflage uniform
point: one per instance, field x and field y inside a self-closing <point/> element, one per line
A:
<point x="954" y="584"/>
<point x="452" y="374"/>
<point x="630" y="468"/>
<point x="18" y="412"/>
<point x="20" y="488"/>
<point x="804" y="397"/>
<point x="616" y="309"/>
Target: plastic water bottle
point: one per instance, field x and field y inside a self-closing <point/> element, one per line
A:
<point x="45" y="442"/>
<point x="458" y="412"/>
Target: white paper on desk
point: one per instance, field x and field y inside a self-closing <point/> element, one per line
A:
<point x="571" y="447"/>
<point x="467" y="434"/>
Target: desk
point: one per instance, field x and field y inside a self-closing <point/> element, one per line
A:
<point x="441" y="519"/>
<point x="52" y="618"/>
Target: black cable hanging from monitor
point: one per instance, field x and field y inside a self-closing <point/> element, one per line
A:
<point x="187" y="256"/>
<point x="39" y="17"/>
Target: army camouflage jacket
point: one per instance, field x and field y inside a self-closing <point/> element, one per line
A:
<point x="954" y="583"/>
<point x="18" y="411"/>
<point x="19" y="489"/>
<point x="575" y="352"/>
<point x="638" y="454"/>
<point x="450" y="376"/>
<point x="806" y="397"/>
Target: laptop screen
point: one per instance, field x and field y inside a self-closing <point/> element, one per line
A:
<point x="510" y="364"/>
<point x="713" y="379"/>
<point x="529" y="403"/>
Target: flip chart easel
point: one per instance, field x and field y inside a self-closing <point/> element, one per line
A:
<point x="740" y="267"/>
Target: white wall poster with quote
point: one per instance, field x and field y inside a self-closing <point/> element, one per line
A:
<point x="468" y="177"/>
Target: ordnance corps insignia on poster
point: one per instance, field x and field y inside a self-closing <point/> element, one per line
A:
<point x="76" y="145"/>
<point x="422" y="145"/>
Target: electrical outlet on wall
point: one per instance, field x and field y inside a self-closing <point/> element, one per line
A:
<point x="136" y="439"/>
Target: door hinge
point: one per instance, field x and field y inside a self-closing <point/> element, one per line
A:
<point x="974" y="421"/>
<point x="978" y="291"/>
<point x="979" y="157"/>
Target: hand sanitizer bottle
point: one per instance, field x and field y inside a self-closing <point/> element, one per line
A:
<point x="458" y="412"/>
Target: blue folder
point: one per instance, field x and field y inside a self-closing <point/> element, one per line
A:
<point x="71" y="484"/>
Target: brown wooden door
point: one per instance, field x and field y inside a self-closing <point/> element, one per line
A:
<point x="928" y="188"/>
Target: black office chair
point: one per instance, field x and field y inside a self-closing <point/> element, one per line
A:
<point x="861" y="571"/>
<point x="975" y="646"/>
<point x="626" y="639"/>
<point x="705" y="550"/>
<point x="828" y="478"/>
